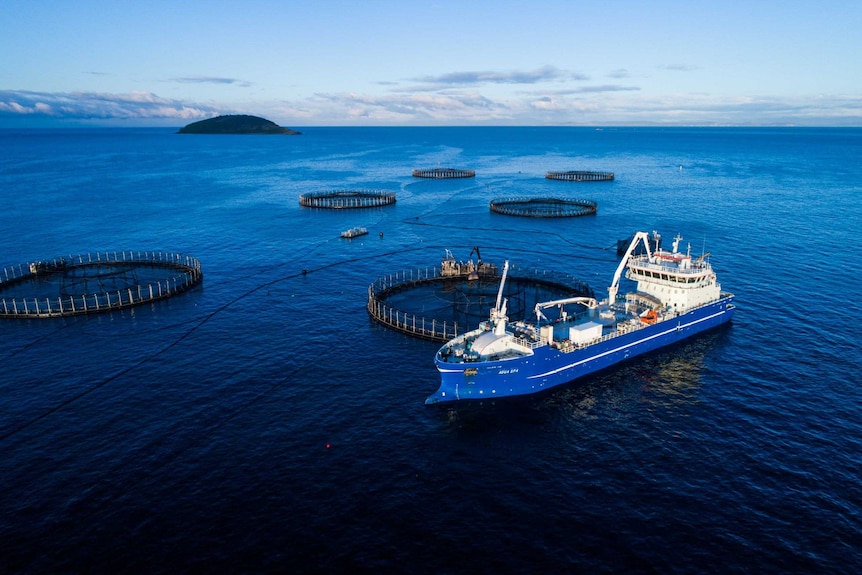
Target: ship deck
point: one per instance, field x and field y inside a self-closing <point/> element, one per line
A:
<point x="525" y="337"/>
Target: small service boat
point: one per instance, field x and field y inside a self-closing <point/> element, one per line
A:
<point x="354" y="232"/>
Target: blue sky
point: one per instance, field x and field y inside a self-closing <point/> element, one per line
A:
<point x="337" y="63"/>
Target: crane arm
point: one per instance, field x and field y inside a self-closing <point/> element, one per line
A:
<point x="589" y="302"/>
<point x="502" y="283"/>
<point x="586" y="301"/>
<point x="640" y="236"/>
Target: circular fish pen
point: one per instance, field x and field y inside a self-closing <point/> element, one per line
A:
<point x="580" y="176"/>
<point x="543" y="207"/>
<point x="347" y="199"/>
<point x="430" y="304"/>
<point x="444" y="173"/>
<point x="94" y="283"/>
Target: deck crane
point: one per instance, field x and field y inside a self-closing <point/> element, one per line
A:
<point x="474" y="273"/>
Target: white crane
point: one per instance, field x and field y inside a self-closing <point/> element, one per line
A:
<point x="588" y="302"/>
<point x="498" y="314"/>
<point x="612" y="290"/>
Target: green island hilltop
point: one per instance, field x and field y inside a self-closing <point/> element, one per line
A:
<point x="236" y="124"/>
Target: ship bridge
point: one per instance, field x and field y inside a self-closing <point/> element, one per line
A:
<point x="680" y="284"/>
<point x="675" y="279"/>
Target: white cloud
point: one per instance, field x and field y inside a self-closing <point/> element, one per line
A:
<point x="679" y="67"/>
<point x="448" y="107"/>
<point x="543" y="74"/>
<point x="14" y="107"/>
<point x="586" y="105"/>
<point x="104" y="106"/>
<point x="211" y="80"/>
<point x="590" y="90"/>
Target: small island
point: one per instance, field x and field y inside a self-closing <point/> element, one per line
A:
<point x="236" y="124"/>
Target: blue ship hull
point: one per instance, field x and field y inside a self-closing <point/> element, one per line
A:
<point x="549" y="367"/>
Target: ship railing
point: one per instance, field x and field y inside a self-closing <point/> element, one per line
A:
<point x="697" y="267"/>
<point x="568" y="346"/>
<point x="635" y="327"/>
<point x="528" y="343"/>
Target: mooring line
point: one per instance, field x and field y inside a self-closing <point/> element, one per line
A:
<point x="416" y="222"/>
<point x="399" y="251"/>
<point x="15" y="430"/>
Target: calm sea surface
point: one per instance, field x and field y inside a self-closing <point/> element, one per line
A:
<point x="262" y="422"/>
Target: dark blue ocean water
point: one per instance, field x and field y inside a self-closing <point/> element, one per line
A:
<point x="263" y="423"/>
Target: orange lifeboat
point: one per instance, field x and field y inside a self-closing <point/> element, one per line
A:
<point x="649" y="317"/>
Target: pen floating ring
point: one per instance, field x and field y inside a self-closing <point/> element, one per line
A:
<point x="543" y="207"/>
<point x="94" y="283"/>
<point x="580" y="176"/>
<point x="444" y="173"/>
<point x="347" y="199"/>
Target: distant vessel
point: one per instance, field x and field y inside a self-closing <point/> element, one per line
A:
<point x="677" y="296"/>
<point x="353" y="232"/>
